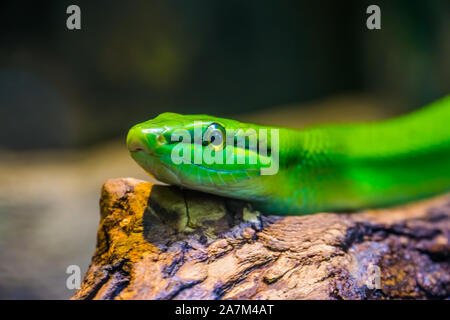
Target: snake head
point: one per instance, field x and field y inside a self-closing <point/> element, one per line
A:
<point x="201" y="152"/>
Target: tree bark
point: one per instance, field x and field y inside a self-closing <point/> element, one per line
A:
<point x="160" y="242"/>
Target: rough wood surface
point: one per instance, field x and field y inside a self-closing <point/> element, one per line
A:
<point x="159" y="242"/>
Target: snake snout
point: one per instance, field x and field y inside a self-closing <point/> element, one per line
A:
<point x="136" y="140"/>
<point x="145" y="139"/>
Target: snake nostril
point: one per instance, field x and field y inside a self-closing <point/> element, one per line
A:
<point x="135" y="145"/>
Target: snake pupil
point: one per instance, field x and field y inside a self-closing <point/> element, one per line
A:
<point x="214" y="136"/>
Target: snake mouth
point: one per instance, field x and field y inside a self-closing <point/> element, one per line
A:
<point x="135" y="148"/>
<point x="154" y="165"/>
<point x="139" y="150"/>
<point x="222" y="170"/>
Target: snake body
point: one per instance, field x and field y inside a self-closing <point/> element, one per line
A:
<point x="322" y="168"/>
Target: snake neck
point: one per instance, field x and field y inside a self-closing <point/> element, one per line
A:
<point x="347" y="167"/>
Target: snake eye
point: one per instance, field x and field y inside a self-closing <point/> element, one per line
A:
<point x="214" y="136"/>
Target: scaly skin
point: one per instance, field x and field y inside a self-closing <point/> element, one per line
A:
<point x="323" y="168"/>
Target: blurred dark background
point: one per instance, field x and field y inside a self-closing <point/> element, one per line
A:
<point x="67" y="98"/>
<point x="132" y="60"/>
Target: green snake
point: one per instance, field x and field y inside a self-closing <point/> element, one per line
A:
<point x="322" y="168"/>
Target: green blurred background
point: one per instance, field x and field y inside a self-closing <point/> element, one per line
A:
<point x="67" y="98"/>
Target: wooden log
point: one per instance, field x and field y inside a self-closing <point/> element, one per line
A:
<point x="160" y="242"/>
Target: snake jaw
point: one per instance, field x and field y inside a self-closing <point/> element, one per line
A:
<point x="146" y="143"/>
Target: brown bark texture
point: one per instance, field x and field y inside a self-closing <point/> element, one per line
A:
<point x="161" y="242"/>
